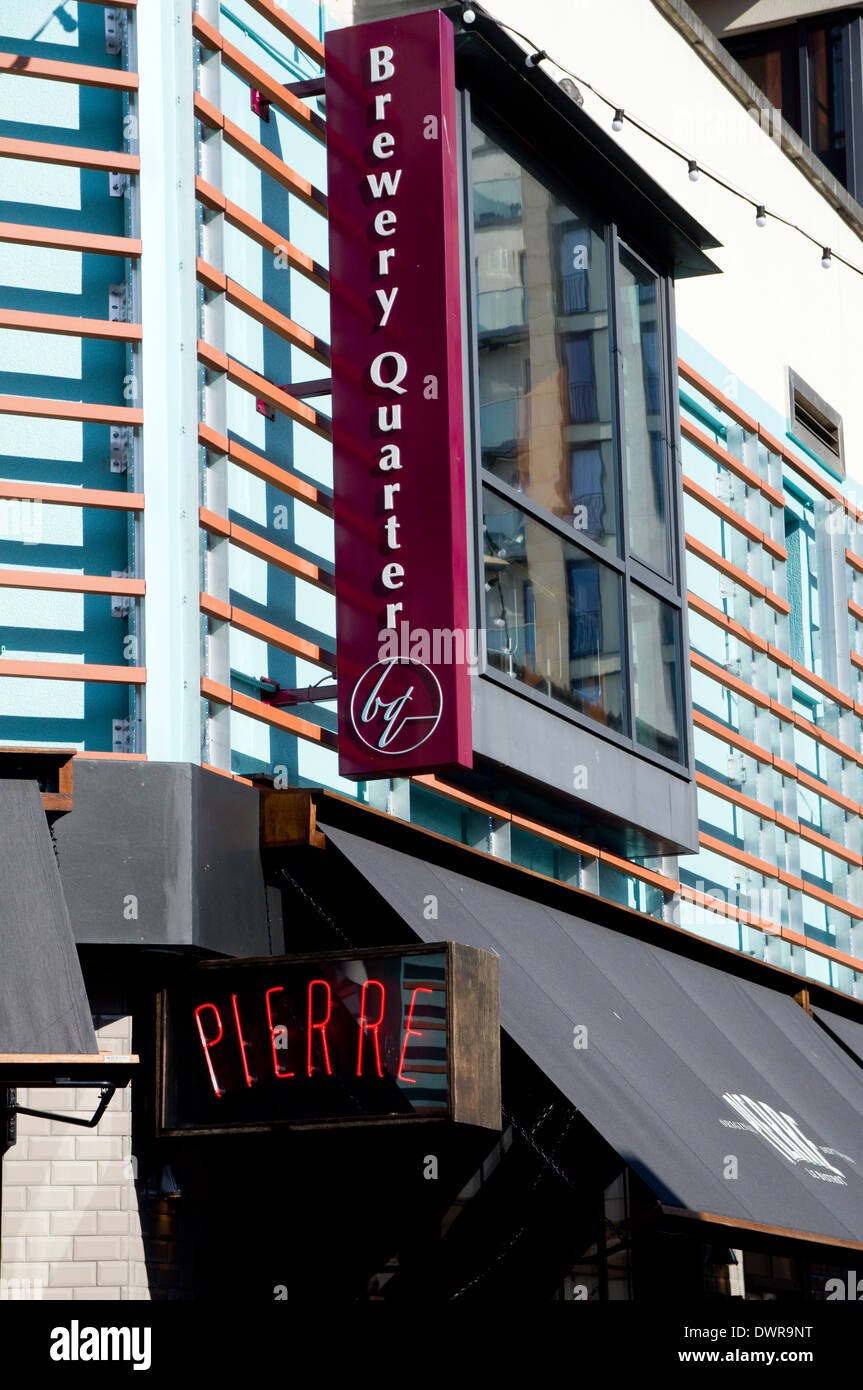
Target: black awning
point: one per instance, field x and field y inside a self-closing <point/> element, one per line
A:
<point x="849" y="1033"/>
<point x="43" y="1002"/>
<point x="722" y="1094"/>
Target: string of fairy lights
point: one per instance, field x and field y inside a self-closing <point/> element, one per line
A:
<point x="622" y="116"/>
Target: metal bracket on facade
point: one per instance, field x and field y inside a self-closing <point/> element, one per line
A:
<point x="736" y="768"/>
<point x="322" y="386"/>
<point x="113" y="32"/>
<point x="11" y="1109"/>
<point x="121" y="604"/>
<point x="305" y="695"/>
<point x="311" y="87"/>
<point x="8" y="1123"/>
<point x="724" y="487"/>
<point x="726" y="586"/>
<point x="118" y="304"/>
<point x="260" y="104"/>
<point x="120" y="444"/>
<point x="122" y="736"/>
<point x="117" y="184"/>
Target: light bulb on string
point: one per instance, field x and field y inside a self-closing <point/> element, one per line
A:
<point x="617" y="122"/>
<point x="826" y="258"/>
<point x="694" y="171"/>
<point x="761" y="216"/>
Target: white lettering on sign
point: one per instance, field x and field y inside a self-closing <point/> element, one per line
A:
<point x="385" y="182"/>
<point x="386" y="302"/>
<point x="380" y="63"/>
<point x="398" y="376"/>
<point x="381" y="143"/>
<point x="389" y="369"/>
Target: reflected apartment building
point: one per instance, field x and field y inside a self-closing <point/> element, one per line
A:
<point x="659" y="838"/>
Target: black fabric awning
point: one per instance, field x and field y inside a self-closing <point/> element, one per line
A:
<point x="43" y="1002"/>
<point x="849" y="1033"/>
<point x="724" y="1095"/>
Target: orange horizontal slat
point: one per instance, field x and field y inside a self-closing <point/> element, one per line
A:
<point x="258" y="78"/>
<point x="258" y="386"/>
<point x="262" y="468"/>
<point x="733" y="518"/>
<point x="761" y="755"/>
<point x="812" y="476"/>
<point x="73" y="496"/>
<point x="260" y="233"/>
<point x="268" y="632"/>
<point x="734" y="572"/>
<point x="274" y="554"/>
<point x="70" y="583"/>
<point x="69" y="326"/>
<point x="775" y="445"/>
<point x="74" y="671"/>
<point x="62" y="239"/>
<point x="299" y="36"/>
<point x="757" y="697"/>
<point x="119" y="757"/>
<point x="768" y="870"/>
<point x="757" y="808"/>
<point x="267" y="714"/>
<point x="258" y="154"/>
<point x="637" y="871"/>
<point x="39" y="406"/>
<point x="713" y="394"/>
<point x="727" y="460"/>
<point x="263" y="313"/>
<point x="111" y="79"/>
<point x="112" y="161"/>
<point x="856" y="561"/>
<point x="715" y="615"/>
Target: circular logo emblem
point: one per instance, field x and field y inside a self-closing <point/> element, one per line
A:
<point x="396" y="706"/>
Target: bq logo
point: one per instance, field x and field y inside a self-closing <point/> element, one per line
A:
<point x="396" y="705"/>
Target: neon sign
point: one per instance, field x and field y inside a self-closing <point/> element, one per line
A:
<point x="334" y="1038"/>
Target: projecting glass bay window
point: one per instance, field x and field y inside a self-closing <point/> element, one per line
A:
<point x="581" y="564"/>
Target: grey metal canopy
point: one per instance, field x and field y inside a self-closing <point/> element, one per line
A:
<point x="724" y="1095"/>
<point x="43" y="1002"/>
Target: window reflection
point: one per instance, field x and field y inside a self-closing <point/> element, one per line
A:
<point x="642" y="415"/>
<point x="544" y="351"/>
<point x="553" y="613"/>
<point x="656" y="673"/>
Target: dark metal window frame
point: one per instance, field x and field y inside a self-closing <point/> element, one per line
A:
<point x="622" y="562"/>
<point x="795" y="63"/>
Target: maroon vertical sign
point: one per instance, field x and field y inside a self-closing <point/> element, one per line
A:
<point x="403" y="644"/>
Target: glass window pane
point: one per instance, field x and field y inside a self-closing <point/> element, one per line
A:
<point x="826" y="85"/>
<point x="643" y="441"/>
<point x="553" y="613"/>
<point x="543" y="344"/>
<point x="656" y="673"/>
